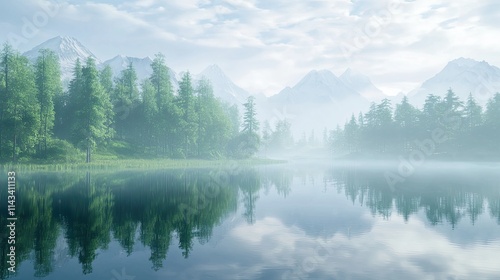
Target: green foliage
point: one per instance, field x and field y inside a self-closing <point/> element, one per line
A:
<point x="61" y="151"/>
<point x="164" y="115"/>
<point x="244" y="145"/>
<point x="213" y="123"/>
<point x="467" y="130"/>
<point x="187" y="126"/>
<point x="48" y="83"/>
<point x="278" y="139"/>
<point x="92" y="112"/>
<point x="250" y="122"/>
<point x="19" y="107"/>
<point x="39" y="121"/>
<point x="125" y="100"/>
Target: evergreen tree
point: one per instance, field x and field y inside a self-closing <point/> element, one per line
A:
<point x="250" y="122"/>
<point x="213" y="124"/>
<point x="282" y="135"/>
<point x="48" y="83"/>
<point x="149" y="114"/>
<point x="67" y="104"/>
<point x="168" y="115"/>
<point x="492" y="114"/>
<point x="248" y="141"/>
<point x="406" y="119"/>
<point x="106" y="80"/>
<point x="266" y="134"/>
<point x="125" y="99"/>
<point x="351" y="134"/>
<point x="20" y="111"/>
<point x="92" y="112"/>
<point x="472" y="114"/>
<point x="431" y="113"/>
<point x="188" y="118"/>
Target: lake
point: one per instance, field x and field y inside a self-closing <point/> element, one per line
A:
<point x="286" y="221"/>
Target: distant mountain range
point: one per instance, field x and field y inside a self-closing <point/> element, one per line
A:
<point x="319" y="95"/>
<point x="69" y="49"/>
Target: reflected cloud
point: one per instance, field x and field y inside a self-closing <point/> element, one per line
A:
<point x="393" y="249"/>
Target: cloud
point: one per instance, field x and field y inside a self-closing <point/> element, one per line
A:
<point x="391" y="250"/>
<point x="265" y="45"/>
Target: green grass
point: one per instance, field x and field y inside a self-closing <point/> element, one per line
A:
<point x="104" y="163"/>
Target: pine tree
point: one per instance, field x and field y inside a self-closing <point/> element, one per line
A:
<point x="186" y="104"/>
<point x="248" y="141"/>
<point x="125" y="99"/>
<point x="213" y="123"/>
<point x="149" y="114"/>
<point x="19" y="116"/>
<point x="92" y="112"/>
<point x="472" y="113"/>
<point x="168" y="115"/>
<point x="250" y="122"/>
<point x="351" y="134"/>
<point x="106" y="80"/>
<point x="48" y="82"/>
<point x="406" y="119"/>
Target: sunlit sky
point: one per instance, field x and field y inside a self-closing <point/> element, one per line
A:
<point x="264" y="46"/>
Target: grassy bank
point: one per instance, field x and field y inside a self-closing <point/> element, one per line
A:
<point x="114" y="164"/>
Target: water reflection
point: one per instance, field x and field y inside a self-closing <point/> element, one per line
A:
<point x="446" y="195"/>
<point x="85" y="213"/>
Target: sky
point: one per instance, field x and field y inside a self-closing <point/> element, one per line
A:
<point x="264" y="46"/>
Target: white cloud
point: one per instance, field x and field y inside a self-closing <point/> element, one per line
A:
<point x="265" y="45"/>
<point x="393" y="249"/>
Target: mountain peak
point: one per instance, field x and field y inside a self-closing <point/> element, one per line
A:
<point x="362" y="84"/>
<point x="222" y="85"/>
<point x="67" y="48"/>
<point x="463" y="62"/>
<point x="214" y="68"/>
<point x="214" y="72"/>
<point x="349" y="73"/>
<point x="465" y="76"/>
<point x="318" y="76"/>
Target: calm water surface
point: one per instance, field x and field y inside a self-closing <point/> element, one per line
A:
<point x="269" y="222"/>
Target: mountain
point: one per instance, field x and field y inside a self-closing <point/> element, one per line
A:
<point x="463" y="76"/>
<point x="361" y="84"/>
<point x="223" y="87"/>
<point x="319" y="100"/>
<point x="142" y="67"/>
<point x="316" y="87"/>
<point x="68" y="49"/>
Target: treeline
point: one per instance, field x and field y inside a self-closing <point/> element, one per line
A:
<point x="446" y="126"/>
<point x="40" y="120"/>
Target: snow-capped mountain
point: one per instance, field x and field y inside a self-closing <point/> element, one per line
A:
<point x="222" y="86"/>
<point x="361" y="84"/>
<point x="142" y="67"/>
<point x="317" y="101"/>
<point x="316" y="87"/>
<point x="463" y="76"/>
<point x="68" y="49"/>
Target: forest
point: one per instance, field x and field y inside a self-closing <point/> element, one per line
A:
<point x="41" y="121"/>
<point x="445" y="127"/>
<point x="96" y="115"/>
